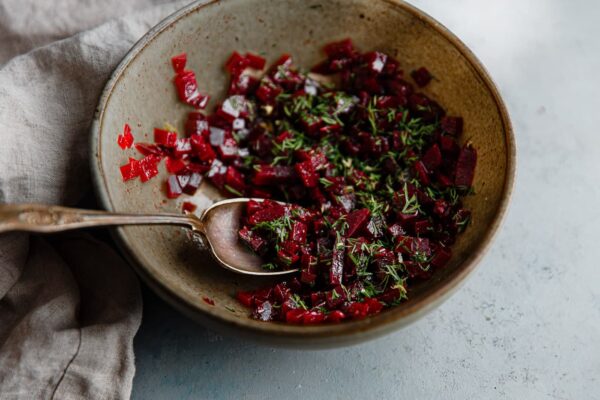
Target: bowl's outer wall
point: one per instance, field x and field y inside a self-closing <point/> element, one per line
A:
<point x="141" y="93"/>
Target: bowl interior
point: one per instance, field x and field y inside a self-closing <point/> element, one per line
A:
<point x="141" y="94"/>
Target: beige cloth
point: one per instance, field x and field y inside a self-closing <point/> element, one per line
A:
<point x="69" y="305"/>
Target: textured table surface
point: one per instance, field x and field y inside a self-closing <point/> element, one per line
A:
<point x="527" y="324"/>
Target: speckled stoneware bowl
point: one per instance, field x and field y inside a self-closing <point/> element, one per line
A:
<point x="141" y="93"/>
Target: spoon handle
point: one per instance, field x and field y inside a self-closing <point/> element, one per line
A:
<point x="41" y="218"/>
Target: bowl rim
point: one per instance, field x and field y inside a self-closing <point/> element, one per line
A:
<point x="319" y="335"/>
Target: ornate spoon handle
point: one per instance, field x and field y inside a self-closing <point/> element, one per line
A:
<point x="48" y="219"/>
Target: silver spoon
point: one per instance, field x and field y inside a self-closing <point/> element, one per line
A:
<point x="218" y="223"/>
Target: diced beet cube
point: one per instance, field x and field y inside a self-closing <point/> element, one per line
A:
<point x="174" y="165"/>
<point x="375" y="61"/>
<point x="335" y="316"/>
<point x="188" y="207"/>
<point x="432" y="157"/>
<point x="421" y="76"/>
<point x="196" y="124"/>
<point x="443" y="180"/>
<point x="374" y="306"/>
<point x="149" y="149"/>
<point x="313" y="317"/>
<point x="357" y="310"/>
<point x="236" y="63"/>
<point x="228" y="150"/>
<point x="452" y="125"/>
<point x="164" y="137"/>
<point x="273" y="175"/>
<point x="337" y="263"/>
<point x="341" y="49"/>
<point x="246" y="298"/>
<point x="148" y="167"/>
<point x="295" y="316"/>
<point x="217" y="136"/>
<point x="253" y="240"/>
<point x="242" y="84"/>
<point x="267" y="214"/>
<point x="195" y="179"/>
<point x="203" y="150"/>
<point x="173" y="188"/>
<point x="233" y="107"/>
<point x="267" y="90"/>
<point x="255" y="61"/>
<point x="260" y="193"/>
<point x="130" y="170"/>
<point x="441" y="208"/>
<point x="298" y="232"/>
<point x="465" y="167"/>
<point x="182" y="146"/>
<point x="306" y="172"/>
<point x="422" y="172"/>
<point x="126" y="139"/>
<point x="357" y="220"/>
<point x="421" y="226"/>
<point x="390" y="295"/>
<point x="253" y="206"/>
<point x="187" y="88"/>
<point x="286" y="259"/>
<point x="375" y="227"/>
<point x="414" y="270"/>
<point x="179" y="62"/>
<point x="449" y="145"/>
<point x="441" y="257"/>
<point x="235" y="180"/>
<point x="307" y="277"/>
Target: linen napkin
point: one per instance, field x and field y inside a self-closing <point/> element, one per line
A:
<point x="69" y="305"/>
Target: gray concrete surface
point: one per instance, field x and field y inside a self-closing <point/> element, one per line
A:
<point x="527" y="324"/>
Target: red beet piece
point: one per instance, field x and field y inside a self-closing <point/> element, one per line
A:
<point x="422" y="173"/>
<point x="182" y="146"/>
<point x="148" y="167"/>
<point x="196" y="124"/>
<point x="295" y="316"/>
<point x="357" y="220"/>
<point x="267" y="214"/>
<point x="432" y="157"/>
<point x="298" y="232"/>
<point x="441" y="257"/>
<point x="236" y="63"/>
<point x="126" y="139"/>
<point x="187" y="89"/>
<point x="337" y="263"/>
<point x="228" y="150"/>
<point x="193" y="183"/>
<point x="246" y="298"/>
<point x="217" y="172"/>
<point x="173" y="188"/>
<point x="253" y="240"/>
<point x="130" y="170"/>
<point x="273" y="175"/>
<point x="375" y="61"/>
<point x="174" y="165"/>
<point x="341" y="49"/>
<point x="267" y="90"/>
<point x="233" y="107"/>
<point x="313" y="317"/>
<point x="188" y="207"/>
<point x="234" y="179"/>
<point x="465" y="167"/>
<point x="452" y="125"/>
<point x="306" y="172"/>
<point x="203" y="150"/>
<point x="255" y="61"/>
<point x="208" y="301"/>
<point x="335" y="316"/>
<point x="149" y="149"/>
<point x="421" y="76"/>
<point x="165" y="138"/>
<point x="179" y="62"/>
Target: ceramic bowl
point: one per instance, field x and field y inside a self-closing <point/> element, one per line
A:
<point x="141" y="93"/>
